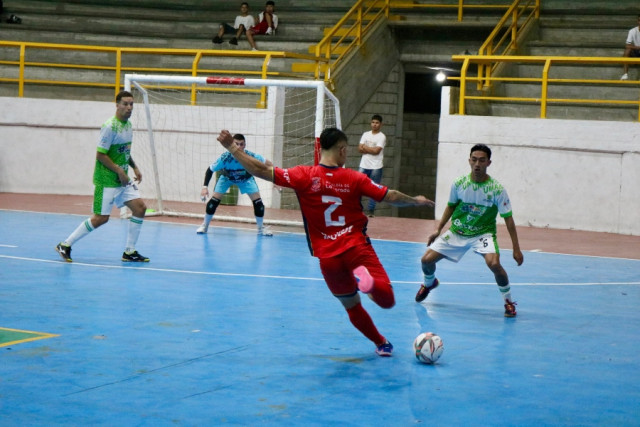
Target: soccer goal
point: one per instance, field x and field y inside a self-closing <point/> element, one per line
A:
<point x="177" y="119"/>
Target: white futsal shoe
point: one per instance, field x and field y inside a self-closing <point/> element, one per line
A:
<point x="265" y="231"/>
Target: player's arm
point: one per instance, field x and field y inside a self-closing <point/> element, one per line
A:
<point x="204" y="192"/>
<point x="511" y="227"/>
<point x="397" y="198"/>
<point x="446" y="216"/>
<point x="136" y="172"/>
<point x="108" y="163"/>
<point x="254" y="166"/>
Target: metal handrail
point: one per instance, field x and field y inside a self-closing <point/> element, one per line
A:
<point x="511" y="34"/>
<point x="353" y="26"/>
<point x="546" y="62"/>
<point x="119" y="68"/>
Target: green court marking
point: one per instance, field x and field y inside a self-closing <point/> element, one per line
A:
<point x="17" y="336"/>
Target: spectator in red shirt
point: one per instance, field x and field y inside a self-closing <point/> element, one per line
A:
<point x="329" y="196"/>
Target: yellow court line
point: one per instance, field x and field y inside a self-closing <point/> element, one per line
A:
<point x="41" y="335"/>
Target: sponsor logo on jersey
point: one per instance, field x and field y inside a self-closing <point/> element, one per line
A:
<point x="334" y="236"/>
<point x="316" y="184"/>
<point x="473" y="209"/>
<point x="285" y="175"/>
<point x="338" y="187"/>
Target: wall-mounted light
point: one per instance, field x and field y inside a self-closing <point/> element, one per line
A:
<point x="441" y="76"/>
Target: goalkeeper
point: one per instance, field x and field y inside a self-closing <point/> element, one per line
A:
<point x="232" y="173"/>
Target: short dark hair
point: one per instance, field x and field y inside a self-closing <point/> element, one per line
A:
<point x="239" y="137"/>
<point x="377" y="117"/>
<point x="271" y="3"/>
<point x="330" y="137"/>
<point x="123" y="94"/>
<point x="483" y="148"/>
<point x="244" y="3"/>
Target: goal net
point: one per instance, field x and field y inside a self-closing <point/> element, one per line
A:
<point x="177" y="119"/>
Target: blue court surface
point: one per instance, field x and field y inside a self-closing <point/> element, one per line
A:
<point x="233" y="328"/>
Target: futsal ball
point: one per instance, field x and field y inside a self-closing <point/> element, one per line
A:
<point x="428" y="347"/>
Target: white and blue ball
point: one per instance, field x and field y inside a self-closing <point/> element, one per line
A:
<point x="428" y="347"/>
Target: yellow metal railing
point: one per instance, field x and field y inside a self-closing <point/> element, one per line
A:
<point x="119" y="65"/>
<point x="460" y="6"/>
<point x="505" y="37"/>
<point x="348" y="33"/>
<point x="545" y="81"/>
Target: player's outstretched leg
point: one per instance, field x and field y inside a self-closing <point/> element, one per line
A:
<point x="502" y="280"/>
<point x="428" y="264"/>
<point x="363" y="322"/>
<point x="212" y="205"/>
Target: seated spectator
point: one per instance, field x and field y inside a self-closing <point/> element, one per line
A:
<point x="632" y="48"/>
<point x="267" y="21"/>
<point x="243" y="22"/>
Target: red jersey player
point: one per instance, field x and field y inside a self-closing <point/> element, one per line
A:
<point x="330" y="197"/>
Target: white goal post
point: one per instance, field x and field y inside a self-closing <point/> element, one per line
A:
<point x="177" y="119"/>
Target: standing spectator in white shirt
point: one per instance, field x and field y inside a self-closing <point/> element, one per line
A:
<point x="371" y="146"/>
<point x="632" y="48"/>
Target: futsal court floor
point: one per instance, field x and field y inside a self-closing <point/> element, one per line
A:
<point x="231" y="328"/>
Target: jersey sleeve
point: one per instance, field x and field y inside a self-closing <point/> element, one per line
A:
<point x="217" y="165"/>
<point x="504" y="204"/>
<point x="106" y="138"/>
<point x="291" y="178"/>
<point x="453" y="195"/>
<point x="372" y="190"/>
<point x="383" y="141"/>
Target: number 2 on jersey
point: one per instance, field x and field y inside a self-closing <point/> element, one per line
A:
<point x="334" y="203"/>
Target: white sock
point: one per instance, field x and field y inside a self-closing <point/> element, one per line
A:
<point x="135" y="224"/>
<point x="429" y="279"/>
<point x="207" y="219"/>
<point x="506" y="292"/>
<point x="82" y="230"/>
<point x="259" y="221"/>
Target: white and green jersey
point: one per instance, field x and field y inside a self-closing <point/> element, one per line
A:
<point x="115" y="142"/>
<point x="476" y="205"/>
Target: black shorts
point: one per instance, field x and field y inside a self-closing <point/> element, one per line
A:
<point x="634" y="53"/>
<point x="228" y="29"/>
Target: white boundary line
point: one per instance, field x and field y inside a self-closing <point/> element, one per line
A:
<point x="267" y="276"/>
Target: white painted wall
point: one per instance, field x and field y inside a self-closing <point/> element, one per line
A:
<point x="566" y="174"/>
<point x="49" y="146"/>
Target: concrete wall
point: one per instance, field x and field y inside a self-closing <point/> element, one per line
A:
<point x="386" y="100"/>
<point x="364" y="69"/>
<point x="418" y="165"/>
<point x="567" y="174"/>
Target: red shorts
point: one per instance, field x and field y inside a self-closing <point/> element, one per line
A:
<point x="338" y="271"/>
<point x="261" y="27"/>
